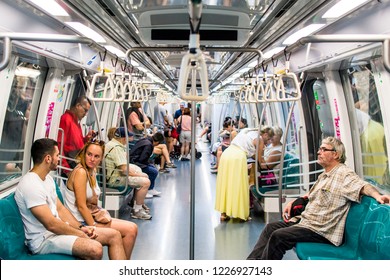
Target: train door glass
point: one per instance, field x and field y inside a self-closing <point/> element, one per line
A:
<point x="27" y="81"/>
<point x="368" y="115"/>
<point x="318" y="118"/>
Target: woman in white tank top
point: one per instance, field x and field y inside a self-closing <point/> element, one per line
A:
<point x="79" y="189"/>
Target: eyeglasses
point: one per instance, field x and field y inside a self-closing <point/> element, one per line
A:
<point x="85" y="109"/>
<point x="97" y="141"/>
<point x="323" y="149"/>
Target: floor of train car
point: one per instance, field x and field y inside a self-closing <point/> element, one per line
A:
<point x="167" y="235"/>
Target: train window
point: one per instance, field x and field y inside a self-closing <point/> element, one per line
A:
<point x="26" y="82"/>
<point x="368" y="114"/>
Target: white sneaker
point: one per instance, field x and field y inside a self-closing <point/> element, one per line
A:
<point x="140" y="214"/>
<point x="154" y="192"/>
<point x="148" y="195"/>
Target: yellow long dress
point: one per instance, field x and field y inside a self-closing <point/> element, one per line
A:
<point x="232" y="192"/>
<point x="374" y="156"/>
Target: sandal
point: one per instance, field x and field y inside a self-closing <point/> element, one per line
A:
<point x="247" y="220"/>
<point x="224" y="217"/>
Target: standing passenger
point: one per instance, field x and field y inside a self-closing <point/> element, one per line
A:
<point x="179" y="112"/>
<point x="160" y="115"/>
<point x="185" y="135"/>
<point x="72" y="133"/>
<point x="50" y="227"/>
<point x="232" y="193"/>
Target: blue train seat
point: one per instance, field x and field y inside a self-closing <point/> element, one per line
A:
<point x="12" y="239"/>
<point x="290" y="176"/>
<point x="366" y="236"/>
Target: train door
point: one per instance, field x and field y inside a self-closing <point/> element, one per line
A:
<point x="318" y="118"/>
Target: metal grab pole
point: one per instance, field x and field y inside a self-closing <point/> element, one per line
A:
<point x="284" y="143"/>
<point x="192" y="190"/>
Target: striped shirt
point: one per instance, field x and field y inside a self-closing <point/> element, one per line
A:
<point x="329" y="202"/>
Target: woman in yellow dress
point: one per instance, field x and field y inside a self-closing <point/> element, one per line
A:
<point x="232" y="192"/>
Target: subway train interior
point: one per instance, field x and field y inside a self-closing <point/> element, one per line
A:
<point x="312" y="68"/>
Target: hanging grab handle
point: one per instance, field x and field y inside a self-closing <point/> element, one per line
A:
<point x="119" y="90"/>
<point x="109" y="87"/>
<point x="193" y="63"/>
<point x="290" y="79"/>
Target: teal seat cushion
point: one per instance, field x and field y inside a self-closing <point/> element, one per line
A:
<point x="291" y="169"/>
<point x="367" y="236"/>
<point x="349" y="249"/>
<point x="12" y="246"/>
<point x="11" y="230"/>
<point x="375" y="235"/>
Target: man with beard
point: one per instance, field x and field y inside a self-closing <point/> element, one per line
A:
<point x="49" y="226"/>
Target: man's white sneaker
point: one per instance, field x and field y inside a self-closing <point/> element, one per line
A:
<point x="140" y="214"/>
<point x="154" y="192"/>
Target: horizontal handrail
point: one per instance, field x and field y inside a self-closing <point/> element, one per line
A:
<point x="336" y="38"/>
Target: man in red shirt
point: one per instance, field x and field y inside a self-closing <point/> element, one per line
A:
<point x="72" y="134"/>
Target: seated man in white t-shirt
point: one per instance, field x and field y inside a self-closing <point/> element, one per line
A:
<point x="48" y="224"/>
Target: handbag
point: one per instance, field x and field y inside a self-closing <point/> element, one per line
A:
<point x="101" y="215"/>
<point x="174" y="133"/>
<point x="178" y="128"/>
<point x="298" y="206"/>
<point x="267" y="179"/>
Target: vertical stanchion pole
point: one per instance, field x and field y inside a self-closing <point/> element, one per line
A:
<point x="192" y="190"/>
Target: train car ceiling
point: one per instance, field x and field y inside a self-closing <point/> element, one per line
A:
<point x="259" y="25"/>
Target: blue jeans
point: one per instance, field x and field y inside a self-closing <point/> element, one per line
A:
<point x="152" y="173"/>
